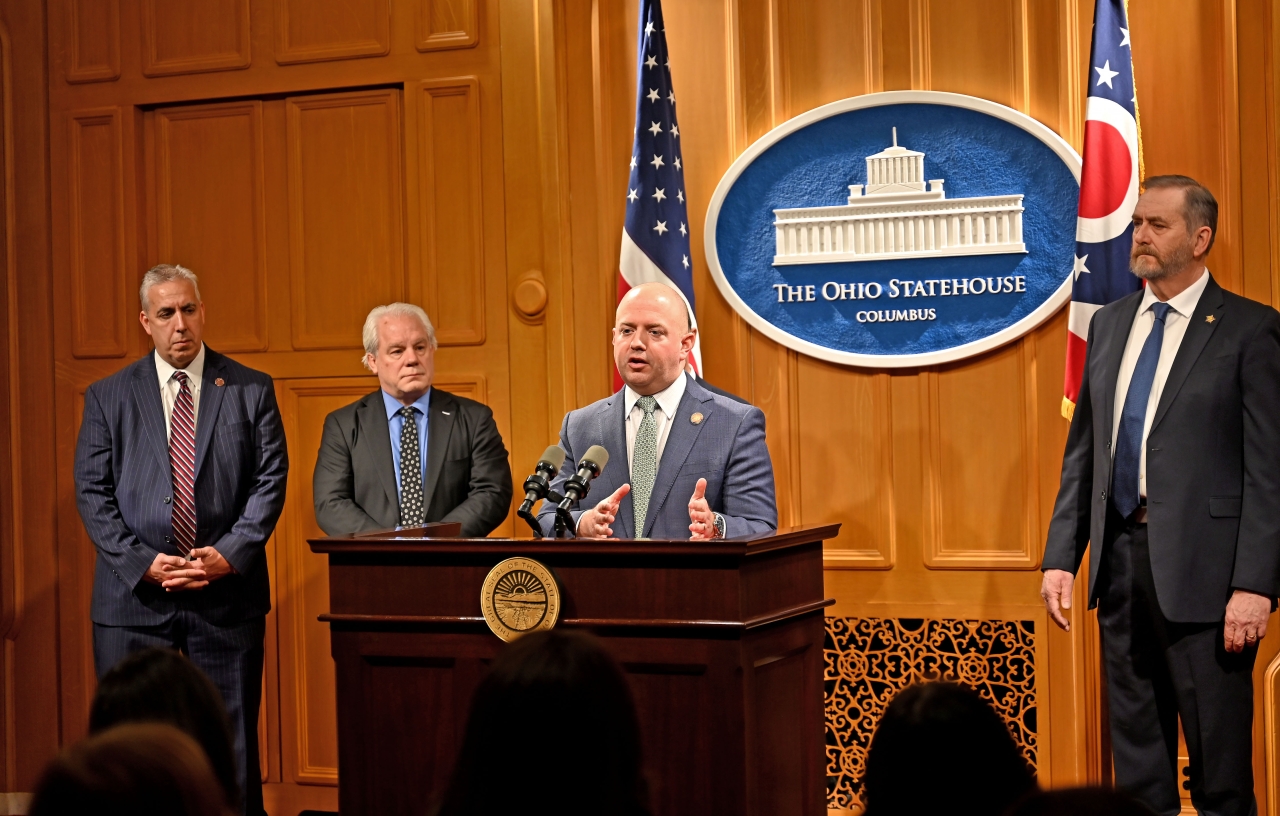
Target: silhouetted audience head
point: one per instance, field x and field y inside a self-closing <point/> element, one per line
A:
<point x="160" y="685"/>
<point x="552" y="729"/>
<point x="1080" y="802"/>
<point x="941" y="749"/>
<point x="149" y="768"/>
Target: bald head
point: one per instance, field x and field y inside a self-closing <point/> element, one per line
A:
<point x="652" y="337"/>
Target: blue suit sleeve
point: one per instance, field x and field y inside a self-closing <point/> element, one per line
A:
<point x="96" y="498"/>
<point x="750" y="504"/>
<point x="244" y="543"/>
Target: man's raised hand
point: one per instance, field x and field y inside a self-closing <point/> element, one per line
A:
<point x="594" y="522"/>
<point x="702" y="522"/>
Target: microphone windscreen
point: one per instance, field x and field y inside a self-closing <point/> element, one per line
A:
<point x="597" y="455"/>
<point x="553" y="456"/>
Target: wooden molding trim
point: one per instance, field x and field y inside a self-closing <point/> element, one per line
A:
<point x="100" y="72"/>
<point x="154" y="65"/>
<point x="465" y="33"/>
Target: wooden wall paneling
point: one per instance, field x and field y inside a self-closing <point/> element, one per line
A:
<point x="317" y="30"/>
<point x="309" y="728"/>
<point x="1257" y="134"/>
<point x="211" y="213"/>
<point x="980" y="473"/>
<point x="98" y="276"/>
<point x="446" y="24"/>
<point x="76" y="557"/>
<point x="539" y="345"/>
<point x="1189" y="111"/>
<point x="451" y="201"/>
<point x="978" y="54"/>
<point x="345" y="206"/>
<point x="91" y="32"/>
<point x="597" y="166"/>
<point x="188" y="38"/>
<point x="708" y="76"/>
<point x="846" y="434"/>
<point x="33" y="142"/>
<point x="829" y="49"/>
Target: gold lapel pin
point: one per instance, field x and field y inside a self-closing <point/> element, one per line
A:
<point x="219" y="382"/>
<point x="1208" y="319"/>
<point x="696" y="419"/>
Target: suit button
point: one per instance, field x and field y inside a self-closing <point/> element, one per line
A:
<point x="166" y="539"/>
<point x="1108" y="443"/>
<point x="166" y="499"/>
<point x="1104" y="495"/>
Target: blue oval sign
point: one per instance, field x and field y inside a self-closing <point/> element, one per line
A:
<point x="897" y="229"/>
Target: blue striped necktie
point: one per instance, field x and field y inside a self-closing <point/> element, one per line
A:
<point x="1125" y="491"/>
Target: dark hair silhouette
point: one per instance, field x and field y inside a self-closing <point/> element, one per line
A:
<point x="160" y="685"/>
<point x="552" y="729"/>
<point x="149" y="768"/>
<point x="1080" y="802"/>
<point x="941" y="749"/>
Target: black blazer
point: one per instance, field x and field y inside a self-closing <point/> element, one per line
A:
<point x="124" y="490"/>
<point x="468" y="475"/>
<point x="1213" y="457"/>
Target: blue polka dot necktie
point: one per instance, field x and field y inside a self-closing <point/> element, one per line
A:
<point x="1125" y="491"/>
<point x="412" y="511"/>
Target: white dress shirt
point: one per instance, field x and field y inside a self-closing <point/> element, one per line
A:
<point x="668" y="402"/>
<point x="1181" y="308"/>
<point x="169" y="387"/>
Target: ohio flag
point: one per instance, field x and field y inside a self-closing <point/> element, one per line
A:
<point x="1108" y="187"/>
<point x="655" y="235"/>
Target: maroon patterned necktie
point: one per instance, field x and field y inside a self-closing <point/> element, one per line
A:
<point x="182" y="459"/>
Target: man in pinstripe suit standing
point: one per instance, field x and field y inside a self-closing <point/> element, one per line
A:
<point x="180" y="477"/>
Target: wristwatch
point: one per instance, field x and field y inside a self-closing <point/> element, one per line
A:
<point x="719" y="522"/>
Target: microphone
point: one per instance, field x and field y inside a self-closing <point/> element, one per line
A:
<point x="538" y="485"/>
<point x="579" y="484"/>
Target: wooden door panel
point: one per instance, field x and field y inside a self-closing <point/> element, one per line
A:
<point x="315" y="30"/>
<point x="210" y="214"/>
<point x="346" y="252"/>
<point x="185" y="38"/>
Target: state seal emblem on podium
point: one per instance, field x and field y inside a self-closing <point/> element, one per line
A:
<point x="898" y="229"/>
<point x="519" y="596"/>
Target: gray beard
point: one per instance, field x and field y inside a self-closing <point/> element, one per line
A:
<point x="1178" y="261"/>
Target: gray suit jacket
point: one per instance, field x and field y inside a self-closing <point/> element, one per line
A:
<point x="726" y="448"/>
<point x="124" y="490"/>
<point x="1213" y="458"/>
<point x="468" y="475"/>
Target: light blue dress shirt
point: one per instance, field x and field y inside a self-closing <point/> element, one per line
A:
<point x="397" y="422"/>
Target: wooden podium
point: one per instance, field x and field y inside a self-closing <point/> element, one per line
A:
<point x="721" y="641"/>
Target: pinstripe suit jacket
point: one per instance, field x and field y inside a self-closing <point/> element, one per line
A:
<point x="124" y="490"/>
<point x="726" y="448"/>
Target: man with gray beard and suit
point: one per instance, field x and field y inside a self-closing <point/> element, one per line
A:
<point x="683" y="462"/>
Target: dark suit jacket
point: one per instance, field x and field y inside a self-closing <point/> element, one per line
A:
<point x="726" y="448"/>
<point x="124" y="490"/>
<point x="1213" y="457"/>
<point x="468" y="475"/>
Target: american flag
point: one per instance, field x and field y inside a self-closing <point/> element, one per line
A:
<point x="1109" y="179"/>
<point x="655" y="235"/>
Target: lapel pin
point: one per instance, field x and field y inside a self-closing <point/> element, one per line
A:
<point x="219" y="382"/>
<point x="696" y="419"/>
<point x="446" y="413"/>
<point x="1208" y="319"/>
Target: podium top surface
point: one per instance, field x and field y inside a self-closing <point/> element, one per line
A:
<point x="422" y="540"/>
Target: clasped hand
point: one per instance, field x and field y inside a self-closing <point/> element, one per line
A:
<point x="175" y="573"/>
<point x="595" y="521"/>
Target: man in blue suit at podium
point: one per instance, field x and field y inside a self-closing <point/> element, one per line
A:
<point x="683" y="462"/>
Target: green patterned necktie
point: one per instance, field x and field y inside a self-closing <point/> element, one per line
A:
<point x="644" y="462"/>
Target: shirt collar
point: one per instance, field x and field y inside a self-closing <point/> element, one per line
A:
<point x="392" y="404"/>
<point x="194" y="369"/>
<point x="668" y="398"/>
<point x="1184" y="303"/>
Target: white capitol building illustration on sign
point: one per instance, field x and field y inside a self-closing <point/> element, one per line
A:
<point x="896" y="217"/>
